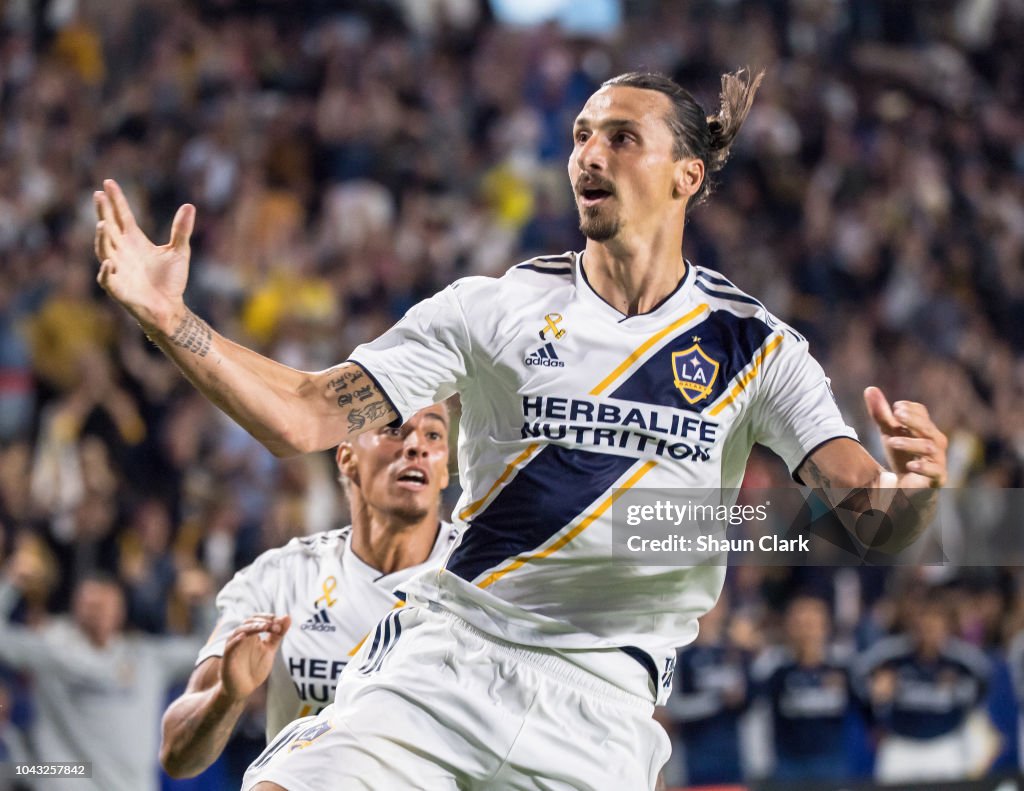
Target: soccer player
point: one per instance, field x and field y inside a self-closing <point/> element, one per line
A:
<point x="581" y="375"/>
<point x="807" y="684"/>
<point x="298" y="612"/>
<point x="711" y="693"/>
<point x="921" y="688"/>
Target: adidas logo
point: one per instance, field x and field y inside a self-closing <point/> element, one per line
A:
<point x="545" y="356"/>
<point x="319" y="623"/>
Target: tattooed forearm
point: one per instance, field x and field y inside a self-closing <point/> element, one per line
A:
<point x="854" y="499"/>
<point x="193" y="335"/>
<point x="819" y="478"/>
<point x="361" y="416"/>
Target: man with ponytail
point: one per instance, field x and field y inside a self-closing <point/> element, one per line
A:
<point x="533" y="658"/>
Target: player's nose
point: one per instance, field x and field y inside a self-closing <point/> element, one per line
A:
<point x="414" y="445"/>
<point x="591" y="155"/>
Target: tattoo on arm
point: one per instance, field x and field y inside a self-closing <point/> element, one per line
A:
<point x="820" y="479"/>
<point x="359" y="417"/>
<point x="342" y="384"/>
<point x="854" y="500"/>
<point x="193" y="335"/>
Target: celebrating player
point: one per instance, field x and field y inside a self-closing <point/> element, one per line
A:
<point x="581" y="375"/>
<point x="298" y="612"/>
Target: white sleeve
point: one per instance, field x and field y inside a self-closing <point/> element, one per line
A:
<point x="795" y="410"/>
<point x="243" y="596"/>
<point x="424" y="357"/>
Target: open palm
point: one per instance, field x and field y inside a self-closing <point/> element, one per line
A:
<point x="147" y="279"/>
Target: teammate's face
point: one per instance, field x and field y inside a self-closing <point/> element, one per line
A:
<point x="401" y="471"/>
<point x="622" y="168"/>
<point x="807" y="622"/>
<point x="931" y="628"/>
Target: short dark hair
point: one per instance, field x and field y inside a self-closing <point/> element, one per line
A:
<point x="697" y="134"/>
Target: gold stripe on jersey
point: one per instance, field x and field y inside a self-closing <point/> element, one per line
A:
<point x="741" y="385"/>
<point x="472" y="508"/>
<point x="592" y="517"/>
<point x="645" y="346"/>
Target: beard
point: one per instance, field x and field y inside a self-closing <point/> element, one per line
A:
<point x="598" y="225"/>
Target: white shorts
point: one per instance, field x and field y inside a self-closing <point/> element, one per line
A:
<point x="903" y="760"/>
<point x="436" y="705"/>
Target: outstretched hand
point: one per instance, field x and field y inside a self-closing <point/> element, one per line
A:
<point x="914" y="446"/>
<point x="147" y="279"/>
<point x="249" y="653"/>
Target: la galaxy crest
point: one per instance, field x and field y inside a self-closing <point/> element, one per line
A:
<point x="694" y="372"/>
<point x="306" y="737"/>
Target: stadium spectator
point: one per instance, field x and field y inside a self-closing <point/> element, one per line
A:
<point x="921" y="688"/>
<point x="98" y="691"/>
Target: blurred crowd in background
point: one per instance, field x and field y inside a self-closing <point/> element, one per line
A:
<point x="349" y="158"/>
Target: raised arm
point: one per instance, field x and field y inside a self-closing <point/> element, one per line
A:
<point x="197" y="725"/>
<point x="916" y="451"/>
<point x="287" y="410"/>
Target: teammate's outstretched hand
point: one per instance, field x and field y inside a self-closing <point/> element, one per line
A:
<point x="147" y="279"/>
<point x="914" y="446"/>
<point x="249" y="653"/>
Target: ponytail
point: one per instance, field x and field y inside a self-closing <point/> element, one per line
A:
<point x="738" y="91"/>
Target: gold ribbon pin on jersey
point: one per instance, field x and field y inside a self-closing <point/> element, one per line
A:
<point x="551" y="325"/>
<point x="329" y="585"/>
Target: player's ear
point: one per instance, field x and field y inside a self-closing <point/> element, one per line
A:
<point x="346" y="461"/>
<point x="689" y="175"/>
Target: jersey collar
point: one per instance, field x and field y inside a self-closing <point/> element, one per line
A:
<point x="356" y="565"/>
<point x="669" y="306"/>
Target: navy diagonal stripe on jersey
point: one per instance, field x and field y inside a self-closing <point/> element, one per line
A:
<point x="717" y="280"/>
<point x="547" y="270"/>
<point x="726" y="295"/>
<point x="376" y="642"/>
<point x="397" y="623"/>
<point x="730" y="340"/>
<point x="382" y="646"/>
<point x="544" y="496"/>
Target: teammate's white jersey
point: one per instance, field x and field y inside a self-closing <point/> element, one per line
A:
<point x="334" y="599"/>
<point x="564" y="400"/>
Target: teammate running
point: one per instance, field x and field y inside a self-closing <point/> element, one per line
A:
<point x="533" y="659"/>
<point x="298" y="612"/>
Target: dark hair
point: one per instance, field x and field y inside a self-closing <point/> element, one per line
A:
<point x="98" y="576"/>
<point x="697" y="134"/>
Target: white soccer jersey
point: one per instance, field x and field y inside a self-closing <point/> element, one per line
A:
<point x="334" y="599"/>
<point x="564" y="400"/>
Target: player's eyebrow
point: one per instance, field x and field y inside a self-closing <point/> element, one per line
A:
<point x="611" y="123"/>
<point x="438" y="416"/>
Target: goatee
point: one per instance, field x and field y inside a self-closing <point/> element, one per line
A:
<point x="597" y="227"/>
